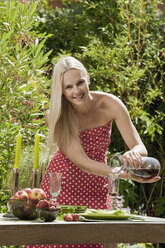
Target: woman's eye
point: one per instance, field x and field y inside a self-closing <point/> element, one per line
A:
<point x="68" y="87"/>
<point x="80" y="82"/>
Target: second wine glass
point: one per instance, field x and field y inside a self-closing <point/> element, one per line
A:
<point x="55" y="184"/>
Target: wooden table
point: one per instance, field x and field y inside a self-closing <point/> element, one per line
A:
<point x="19" y="232"/>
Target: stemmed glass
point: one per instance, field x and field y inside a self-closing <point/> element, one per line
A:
<point x="55" y="184"/>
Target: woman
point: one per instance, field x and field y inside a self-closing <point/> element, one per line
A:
<point x="80" y="124"/>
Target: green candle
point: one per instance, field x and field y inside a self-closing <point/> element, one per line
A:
<point x="18" y="150"/>
<point x="36" y="151"/>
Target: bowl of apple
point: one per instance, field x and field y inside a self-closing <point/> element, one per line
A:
<point x="23" y="203"/>
<point x="47" y="210"/>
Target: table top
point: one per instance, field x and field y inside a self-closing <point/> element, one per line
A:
<point x="30" y="232"/>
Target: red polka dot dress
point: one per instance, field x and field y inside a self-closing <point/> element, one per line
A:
<point x="78" y="187"/>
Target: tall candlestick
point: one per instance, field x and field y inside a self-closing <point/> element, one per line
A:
<point x="34" y="180"/>
<point x="15" y="179"/>
<point x="36" y="151"/>
<point x="18" y="151"/>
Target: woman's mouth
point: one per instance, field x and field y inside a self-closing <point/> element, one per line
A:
<point x="78" y="97"/>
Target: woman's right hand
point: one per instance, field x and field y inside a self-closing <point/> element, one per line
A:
<point x="132" y="158"/>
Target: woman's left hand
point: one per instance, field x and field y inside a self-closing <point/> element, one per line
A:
<point x="128" y="175"/>
<point x="143" y="180"/>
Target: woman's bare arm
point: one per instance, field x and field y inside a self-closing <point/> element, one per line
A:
<point x="119" y="113"/>
<point x="76" y="154"/>
<point x="47" y="117"/>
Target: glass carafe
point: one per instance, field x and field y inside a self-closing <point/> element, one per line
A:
<point x="150" y="166"/>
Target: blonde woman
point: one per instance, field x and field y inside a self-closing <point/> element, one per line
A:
<point x="80" y="125"/>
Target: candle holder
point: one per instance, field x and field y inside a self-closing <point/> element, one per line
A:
<point x="34" y="181"/>
<point x="15" y="179"/>
<point x="15" y="189"/>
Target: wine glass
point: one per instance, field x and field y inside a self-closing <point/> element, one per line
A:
<point x="113" y="191"/>
<point x="55" y="184"/>
<point x="113" y="184"/>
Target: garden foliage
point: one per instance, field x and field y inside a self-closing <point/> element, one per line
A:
<point x="23" y="81"/>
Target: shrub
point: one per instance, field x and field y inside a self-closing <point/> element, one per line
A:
<point x="23" y="81"/>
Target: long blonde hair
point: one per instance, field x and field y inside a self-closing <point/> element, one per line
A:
<point x="62" y="121"/>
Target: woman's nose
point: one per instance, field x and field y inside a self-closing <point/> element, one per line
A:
<point x="76" y="90"/>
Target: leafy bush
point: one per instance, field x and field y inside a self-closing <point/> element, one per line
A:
<point x="23" y="81"/>
<point x="131" y="67"/>
<point x="77" y="23"/>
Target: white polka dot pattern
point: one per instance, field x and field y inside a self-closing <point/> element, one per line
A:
<point x="78" y="187"/>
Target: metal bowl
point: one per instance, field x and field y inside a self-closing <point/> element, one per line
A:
<point x="48" y="215"/>
<point x="22" y="209"/>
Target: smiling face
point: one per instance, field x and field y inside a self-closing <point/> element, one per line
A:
<point x="75" y="86"/>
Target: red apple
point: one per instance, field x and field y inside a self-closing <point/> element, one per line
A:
<point x="21" y="194"/>
<point x="43" y="204"/>
<point x="52" y="208"/>
<point x="52" y="202"/>
<point x="37" y="194"/>
<point x="27" y="190"/>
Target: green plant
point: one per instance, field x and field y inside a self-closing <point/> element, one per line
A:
<point x="131" y="67"/>
<point x="74" y="25"/>
<point x="23" y="81"/>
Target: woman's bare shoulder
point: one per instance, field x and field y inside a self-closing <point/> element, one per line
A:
<point x="110" y="104"/>
<point x="104" y="97"/>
